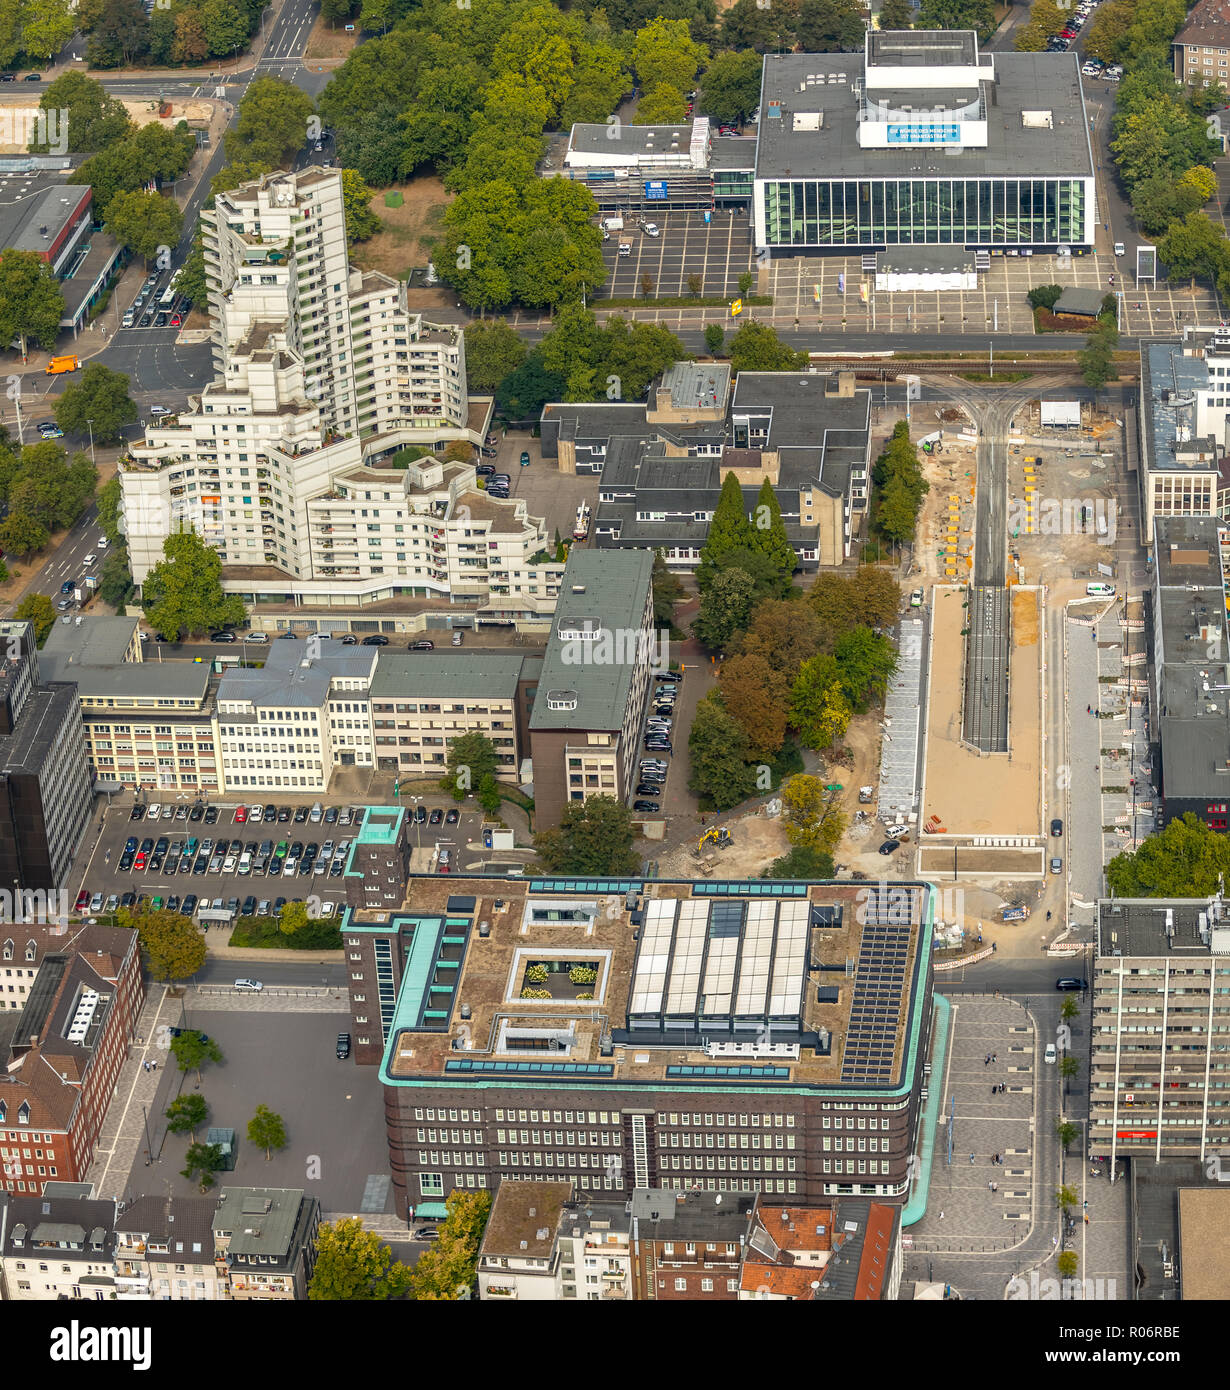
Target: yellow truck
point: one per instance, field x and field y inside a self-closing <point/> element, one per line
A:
<point x="61" y="364"/>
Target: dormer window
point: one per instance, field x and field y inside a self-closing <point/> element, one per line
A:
<point x="8" y="950"/>
<point x="31" y="951"/>
<point x="23" y="1113"/>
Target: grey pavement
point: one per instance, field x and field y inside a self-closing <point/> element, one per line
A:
<point x="1083" y="825"/>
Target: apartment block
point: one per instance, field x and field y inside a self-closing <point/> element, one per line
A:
<point x="321" y="371"/>
<point x="716" y="1036"/>
<point x="65" y="1051"/>
<point x="519" y="1258"/>
<point x="1158" y="1074"/>
<point x="422" y="701"/>
<point x="164" y="1251"/>
<point x="593" y="688"/>
<point x="265" y="1242"/>
<point x="1201" y="49"/>
<point x="58" y="1249"/>
<point x="849" y="1251"/>
<point x="275" y="252"/>
<point x="688" y="1245"/>
<point x="45" y="792"/>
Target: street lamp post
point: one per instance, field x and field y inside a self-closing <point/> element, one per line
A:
<point x="90" y="425"/>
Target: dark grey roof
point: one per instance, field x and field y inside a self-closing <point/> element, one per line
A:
<point x="1138" y="926"/>
<point x="261" y="1220"/>
<point x="922" y="47"/>
<point x="184" y="1224"/>
<point x="89" y="641"/>
<point x="438" y="675"/>
<point x="615" y="587"/>
<point x="1080" y="301"/>
<point x="1169" y="381"/>
<point x="669" y="1214"/>
<point x="923" y="259"/>
<point x="1023" y="82"/>
<point x="43" y="1221"/>
<point x="46" y="712"/>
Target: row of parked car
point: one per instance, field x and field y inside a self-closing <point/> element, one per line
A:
<point x="190" y="903"/>
<point x="233" y="857"/>
<point x="658" y="728"/>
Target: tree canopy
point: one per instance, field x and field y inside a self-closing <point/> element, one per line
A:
<point x="593" y="837"/>
<point x="1186" y="859"/>
<point x="183" y="593"/>
<point x="354" y="1265"/>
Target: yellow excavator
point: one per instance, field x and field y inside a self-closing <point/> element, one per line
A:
<point x="719" y="835"/>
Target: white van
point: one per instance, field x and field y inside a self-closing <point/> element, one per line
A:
<point x="625" y="248"/>
<point x="315" y="813"/>
<point x="1100" y="590"/>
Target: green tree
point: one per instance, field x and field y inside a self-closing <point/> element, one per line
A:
<point x="831" y="26"/>
<point x="717" y="754"/>
<point x="593" y="837"/>
<point x="523" y="393"/>
<point x="119" y="35"/>
<point x="1065" y="1130"/>
<point x="271" y="127"/>
<point x="446" y="1271"/>
<point x="1195" y="247"/>
<point x="663" y="51"/>
<point x="802" y="863"/>
<point x="236" y="174"/>
<point x="192" y="1048"/>
<point x="747" y="25"/>
<point x="715" y="336"/>
<point x="292" y="918"/>
<point x="1044" y="296"/>
<point x="493" y="352"/>
<point x="98" y="395"/>
<point x="865" y="662"/>
<point x="769" y="530"/>
<point x="667" y="592"/>
<point x="729" y="530"/>
<point x="186" y="1114"/>
<point x="354" y="1265"/>
<point x="173" y="946"/>
<point x="191" y="283"/>
<point x="1159" y="202"/>
<point x="184" y="592"/>
<point x="361" y="222"/>
<point x="724" y="608"/>
<point x="31" y="301"/>
<point x="95" y="120"/>
<point x="819" y="709"/>
<point x="21" y="535"/>
<point x="1068" y="1068"/>
<point x="811" y="817"/>
<point x="34" y="608"/>
<point x="957" y="14"/>
<point x="1184" y="860"/>
<point x="470" y="758"/>
<point x="109" y="499"/>
<point x="757" y="348"/>
<point x="115" y="584"/>
<point x="203" y="1161"/>
<point x="1070" y="1008"/>
<point x="224" y="27"/>
<point x="661" y="105"/>
<point x="1097" y="359"/>
<point x="896" y="14"/>
<point x="1200" y="181"/>
<point x="489" y="794"/>
<point x="1066" y="1197"/>
<point x="144" y="222"/>
<point x="47" y="25"/>
<point x="267" y="1130"/>
<point x="731" y="86"/>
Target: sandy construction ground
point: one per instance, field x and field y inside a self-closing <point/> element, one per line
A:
<point x="984" y="794"/>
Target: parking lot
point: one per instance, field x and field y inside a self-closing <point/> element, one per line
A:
<point x="719" y="251"/>
<point x="546" y="491"/>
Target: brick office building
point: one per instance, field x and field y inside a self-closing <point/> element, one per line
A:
<point x="621" y="1034"/>
<point x="64" y="1058"/>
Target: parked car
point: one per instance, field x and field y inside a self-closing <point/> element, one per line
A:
<point x="343" y="1046"/>
<point x="454" y="815"/>
<point x="525" y="458"/>
<point x="645" y="806"/>
<point x="1057" y="827"/>
<point x="1049" y="1055"/>
<point x="437" y="816"/>
<point x="1071" y="982"/>
<point x="377" y="639"/>
<point x="249" y="986"/>
<point x="890" y="846"/>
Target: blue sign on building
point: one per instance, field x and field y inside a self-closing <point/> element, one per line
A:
<point x="656" y="189"/>
<point x="924" y="134"/>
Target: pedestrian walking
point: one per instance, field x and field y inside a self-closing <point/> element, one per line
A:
<point x="971" y="1158"/>
<point x="145" y="1065"/>
<point x="990" y="1187"/>
<point x="941" y="1216"/>
<point x="1086" y="1218"/>
<point x="994" y="1090"/>
<point x="995" y="1187"/>
<point x="994" y="1056"/>
<point x="987" y="1063"/>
